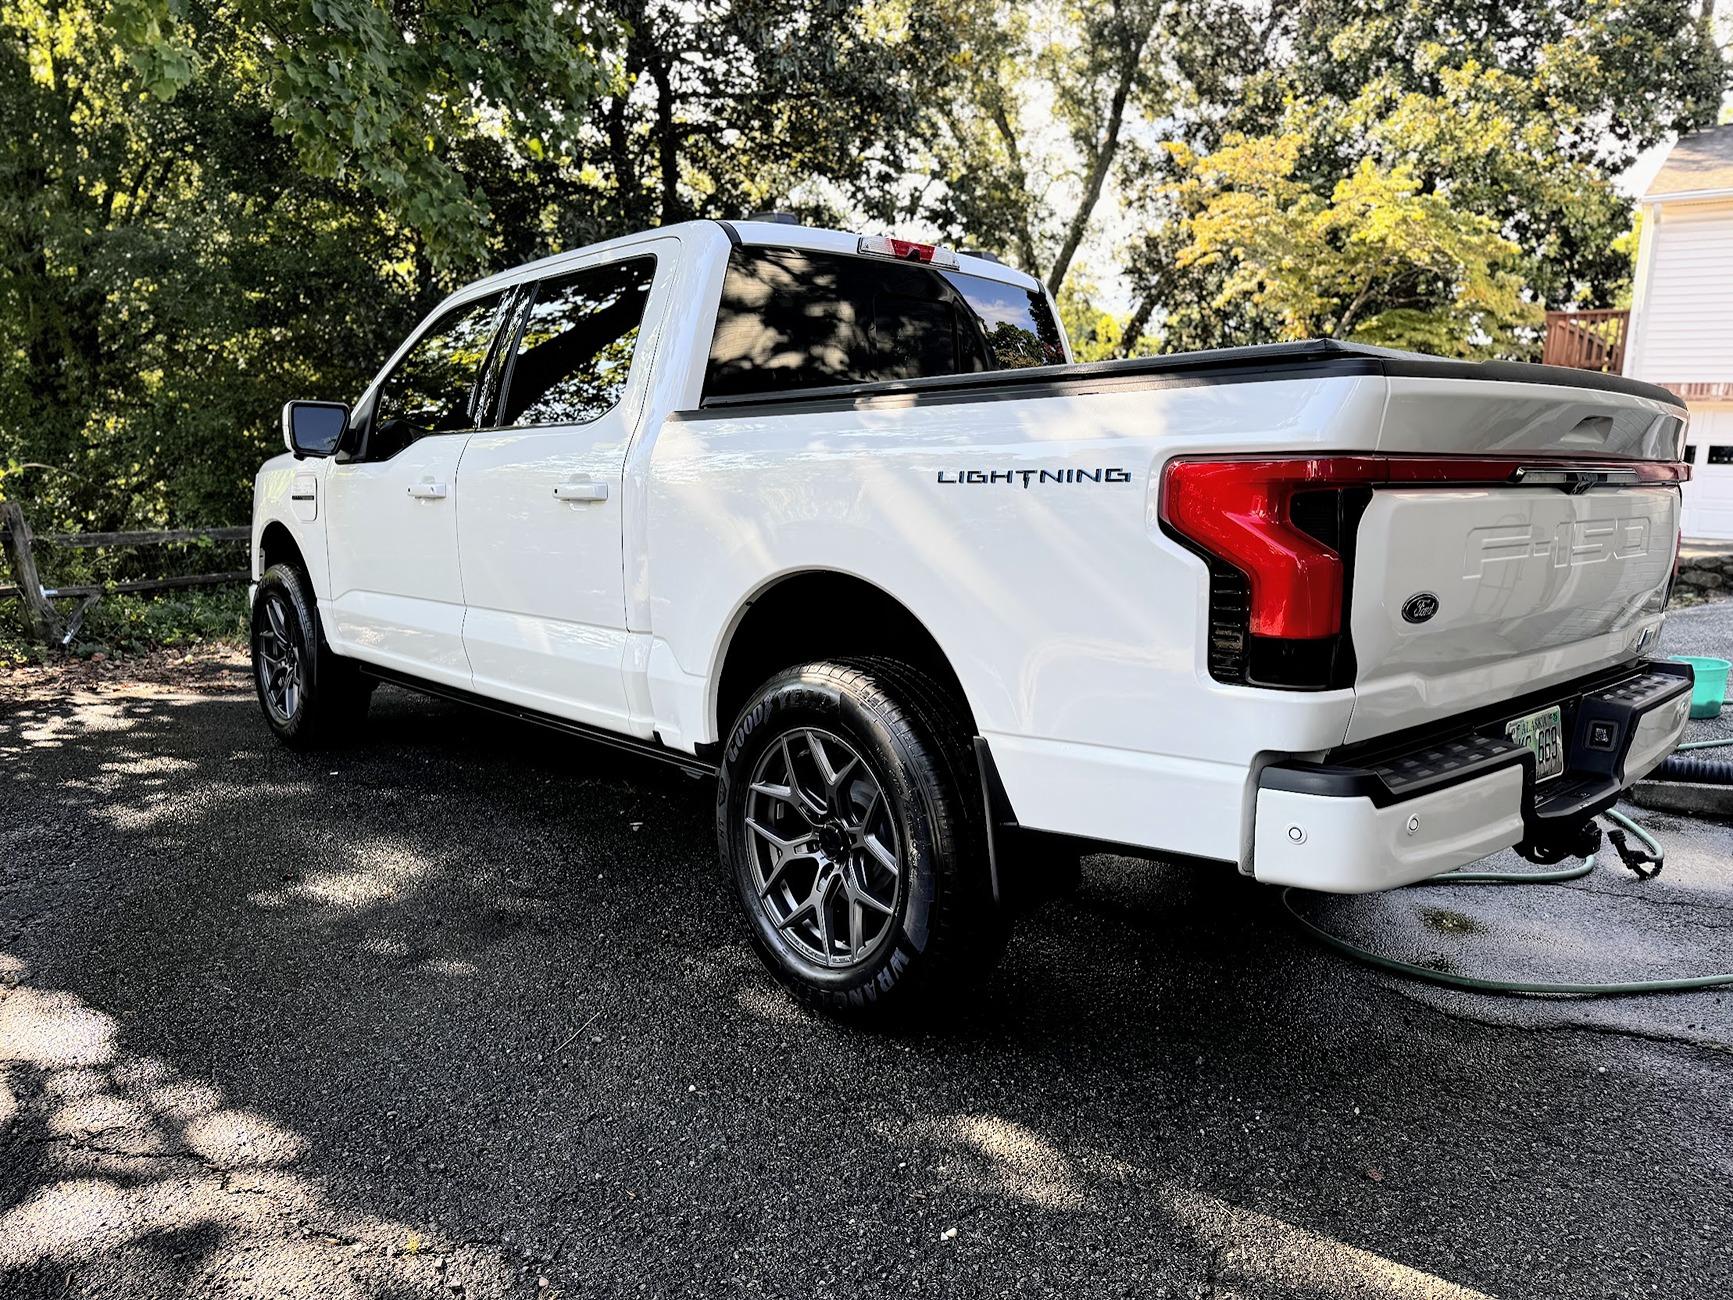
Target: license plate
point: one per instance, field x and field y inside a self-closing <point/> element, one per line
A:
<point x="1543" y="734"/>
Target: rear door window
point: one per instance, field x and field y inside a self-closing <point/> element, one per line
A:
<point x="793" y="319"/>
<point x="432" y="389"/>
<point x="577" y="345"/>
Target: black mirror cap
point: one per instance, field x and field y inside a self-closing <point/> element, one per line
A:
<point x="314" y="428"/>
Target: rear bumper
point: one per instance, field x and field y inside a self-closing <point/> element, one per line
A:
<point x="1371" y="818"/>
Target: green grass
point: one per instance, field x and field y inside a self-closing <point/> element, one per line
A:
<point x="131" y="624"/>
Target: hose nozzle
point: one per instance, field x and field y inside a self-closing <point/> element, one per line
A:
<point x="1646" y="864"/>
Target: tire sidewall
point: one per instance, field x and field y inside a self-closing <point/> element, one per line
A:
<point x="805" y="699"/>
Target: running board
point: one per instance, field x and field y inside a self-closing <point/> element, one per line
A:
<point x="652" y="749"/>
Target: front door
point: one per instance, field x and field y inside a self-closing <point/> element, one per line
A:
<point x="539" y="519"/>
<point x="391" y="524"/>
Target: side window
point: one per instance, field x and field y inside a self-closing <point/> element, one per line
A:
<point x="577" y="345"/>
<point x="431" y="389"/>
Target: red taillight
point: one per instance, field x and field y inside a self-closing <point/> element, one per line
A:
<point x="1240" y="512"/>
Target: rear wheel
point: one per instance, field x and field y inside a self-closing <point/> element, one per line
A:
<point x="311" y="696"/>
<point x="847" y="812"/>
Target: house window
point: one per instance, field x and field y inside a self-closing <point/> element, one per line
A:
<point x="1722" y="455"/>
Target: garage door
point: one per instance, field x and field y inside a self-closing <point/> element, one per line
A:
<point x="1708" y="513"/>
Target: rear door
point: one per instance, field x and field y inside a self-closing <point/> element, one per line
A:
<point x="397" y="595"/>
<point x="540" y="517"/>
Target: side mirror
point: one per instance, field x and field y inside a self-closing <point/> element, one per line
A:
<point x="314" y="428"/>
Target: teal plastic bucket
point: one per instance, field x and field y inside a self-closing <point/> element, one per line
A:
<point x="1710" y="692"/>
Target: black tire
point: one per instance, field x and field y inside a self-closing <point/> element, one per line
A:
<point x="942" y="929"/>
<point x="311" y="697"/>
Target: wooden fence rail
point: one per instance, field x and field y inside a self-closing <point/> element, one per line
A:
<point x="1587" y="340"/>
<point x="47" y="624"/>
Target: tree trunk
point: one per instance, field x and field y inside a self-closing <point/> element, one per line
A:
<point x="1106" y="148"/>
<point x="633" y="201"/>
<point x="624" y="166"/>
<point x="667" y="142"/>
<point x="1346" y="320"/>
<point x="1020" y="179"/>
<point x="1137" y="324"/>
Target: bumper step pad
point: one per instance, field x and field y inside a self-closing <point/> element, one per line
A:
<point x="1600" y="722"/>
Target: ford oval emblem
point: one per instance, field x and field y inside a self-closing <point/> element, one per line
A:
<point x="1419" y="607"/>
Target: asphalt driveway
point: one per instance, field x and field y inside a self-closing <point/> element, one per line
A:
<point x="467" y="1008"/>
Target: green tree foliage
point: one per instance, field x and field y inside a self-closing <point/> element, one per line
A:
<point x="386" y="96"/>
<point x="206" y="208"/>
<point x="1028" y="121"/>
<point x="1520" y="114"/>
<point x="741" y="105"/>
<point x="168" y="276"/>
<point x="1376" y="260"/>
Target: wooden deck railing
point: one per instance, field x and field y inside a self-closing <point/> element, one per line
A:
<point x="1586" y="340"/>
<point x="46" y="622"/>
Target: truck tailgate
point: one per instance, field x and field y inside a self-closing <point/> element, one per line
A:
<point x="1532" y="585"/>
<point x="1463" y="597"/>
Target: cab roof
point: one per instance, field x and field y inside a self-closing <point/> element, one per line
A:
<point x="770" y="234"/>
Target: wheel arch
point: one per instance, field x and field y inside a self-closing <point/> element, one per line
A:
<point x="277" y="545"/>
<point x="809" y="614"/>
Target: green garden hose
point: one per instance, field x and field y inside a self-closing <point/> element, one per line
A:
<point x="1528" y="988"/>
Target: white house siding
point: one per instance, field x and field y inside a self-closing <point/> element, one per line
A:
<point x="1682" y="333"/>
<point x="1684" y="328"/>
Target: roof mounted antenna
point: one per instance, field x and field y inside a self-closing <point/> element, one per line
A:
<point x="775" y="218"/>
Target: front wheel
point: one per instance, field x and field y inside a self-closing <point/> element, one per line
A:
<point x="310" y="696"/>
<point x="848" y="811"/>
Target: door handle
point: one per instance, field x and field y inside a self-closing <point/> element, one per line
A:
<point x="586" y="491"/>
<point x="428" y="491"/>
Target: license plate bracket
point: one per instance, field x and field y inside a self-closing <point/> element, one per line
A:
<point x="1542" y="734"/>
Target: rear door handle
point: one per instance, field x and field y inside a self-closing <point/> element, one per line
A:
<point x="587" y="491"/>
<point x="428" y="491"/>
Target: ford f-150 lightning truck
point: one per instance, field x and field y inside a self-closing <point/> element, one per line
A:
<point x="838" y="520"/>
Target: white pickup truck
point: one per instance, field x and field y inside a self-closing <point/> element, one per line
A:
<point x="837" y="519"/>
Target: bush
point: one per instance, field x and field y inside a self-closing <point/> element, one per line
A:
<point x="132" y="624"/>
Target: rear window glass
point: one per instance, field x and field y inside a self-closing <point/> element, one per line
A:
<point x="792" y="319"/>
<point x="577" y="345"/>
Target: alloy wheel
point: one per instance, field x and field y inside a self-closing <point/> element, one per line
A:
<point x="280" y="663"/>
<point x="823" y="848"/>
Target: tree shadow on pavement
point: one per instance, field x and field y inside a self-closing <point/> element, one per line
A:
<point x="467" y="1005"/>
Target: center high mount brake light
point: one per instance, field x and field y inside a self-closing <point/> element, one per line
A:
<point x="906" y="250"/>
